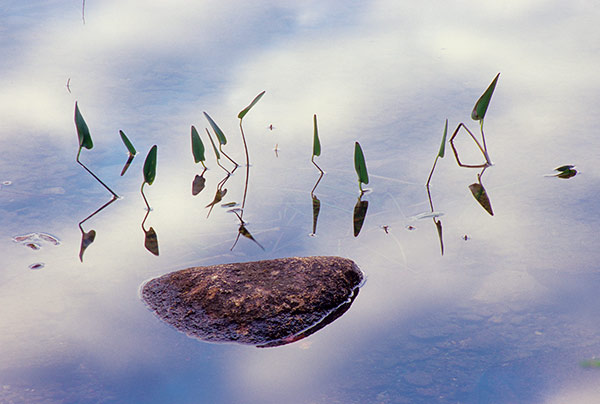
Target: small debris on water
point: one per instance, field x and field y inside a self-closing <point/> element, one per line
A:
<point x="410" y="228"/>
<point x="386" y="228"/>
<point x="37" y="265"/>
<point x="36" y="240"/>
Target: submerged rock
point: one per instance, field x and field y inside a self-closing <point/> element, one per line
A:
<point x="264" y="303"/>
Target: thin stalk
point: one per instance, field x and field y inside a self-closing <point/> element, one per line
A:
<point x="97" y="211"/>
<point x="229" y="158"/>
<point x="94" y="175"/>
<point x="144" y="196"/>
<point x="247" y="168"/>
<point x="431" y="173"/>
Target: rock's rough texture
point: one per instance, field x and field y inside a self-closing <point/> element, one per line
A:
<point x="265" y="303"/>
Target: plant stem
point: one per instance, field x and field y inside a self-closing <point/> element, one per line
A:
<point x="247" y="168"/>
<point x="144" y="196"/>
<point x="94" y="175"/>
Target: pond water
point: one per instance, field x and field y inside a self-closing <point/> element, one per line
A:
<point x="509" y="313"/>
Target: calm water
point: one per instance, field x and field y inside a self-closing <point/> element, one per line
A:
<point x="507" y="314"/>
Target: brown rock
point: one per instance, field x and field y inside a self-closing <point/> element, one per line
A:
<point x="265" y="303"/>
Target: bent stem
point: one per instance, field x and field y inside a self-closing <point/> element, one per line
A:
<point x="94" y="175"/>
<point x="482" y="149"/>
<point x="229" y="158"/>
<point x="144" y="196"/>
<point x="320" y="176"/>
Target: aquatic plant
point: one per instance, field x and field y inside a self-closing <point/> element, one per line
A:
<point x="149" y="171"/>
<point x="85" y="141"/>
<point x="242" y="230"/>
<point x="316" y="203"/>
<point x="241" y="116"/>
<point x="478" y="114"/>
<point x="221" y="138"/>
<point x="198" y="153"/>
<point x="440" y="154"/>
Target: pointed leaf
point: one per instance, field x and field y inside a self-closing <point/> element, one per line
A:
<point x="359" y="164"/>
<point x="316" y="142"/>
<point x="243" y="112"/>
<point x="216" y="129"/>
<point x="482" y="103"/>
<point x="83" y="132"/>
<point x="443" y="145"/>
<point x="197" y="146"/>
<point x="481" y="196"/>
<point x="128" y="144"/>
<point x="150" y="166"/>
<point x="360" y="212"/>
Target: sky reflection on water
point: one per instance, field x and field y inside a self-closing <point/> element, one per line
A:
<point x="504" y="316"/>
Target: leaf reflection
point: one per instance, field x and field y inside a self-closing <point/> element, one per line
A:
<point x="151" y="241"/>
<point x="316" y="207"/>
<point x="360" y="212"/>
<point x="150" y="237"/>
<point x="481" y="196"/>
<point x="88" y="238"/>
<point x="198" y="184"/>
<point x="566" y="171"/>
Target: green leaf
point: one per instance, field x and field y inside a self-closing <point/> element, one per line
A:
<point x="197" y="146"/>
<point x="316" y="143"/>
<point x="128" y="144"/>
<point x="150" y="166"/>
<point x="243" y="112"/>
<point x="482" y="103"/>
<point x="359" y="164"/>
<point x="213" y="145"/>
<point x="481" y="196"/>
<point x="218" y="131"/>
<point x="443" y="145"/>
<point x="566" y="167"/>
<point x="83" y="132"/>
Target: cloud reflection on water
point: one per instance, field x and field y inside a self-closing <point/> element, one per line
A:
<point x="384" y="73"/>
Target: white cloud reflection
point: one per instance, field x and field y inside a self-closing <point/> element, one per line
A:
<point x="385" y="73"/>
